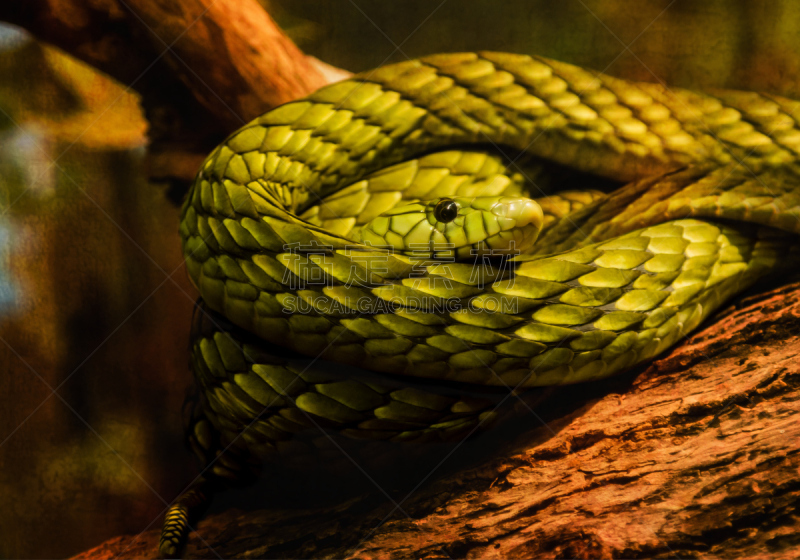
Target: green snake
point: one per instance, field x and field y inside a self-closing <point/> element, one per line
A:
<point x="381" y="223"/>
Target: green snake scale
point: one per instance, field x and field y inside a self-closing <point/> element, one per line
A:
<point x="710" y="202"/>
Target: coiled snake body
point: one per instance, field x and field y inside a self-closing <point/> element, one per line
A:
<point x="271" y="230"/>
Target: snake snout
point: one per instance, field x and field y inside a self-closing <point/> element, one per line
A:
<point x="524" y="211"/>
<point x="520" y="220"/>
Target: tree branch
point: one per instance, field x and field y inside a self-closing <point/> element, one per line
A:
<point x="202" y="67"/>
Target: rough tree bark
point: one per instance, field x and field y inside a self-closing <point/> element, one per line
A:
<point x="694" y="456"/>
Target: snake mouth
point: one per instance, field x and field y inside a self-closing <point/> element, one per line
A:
<point x="519" y="221"/>
<point x="524" y="211"/>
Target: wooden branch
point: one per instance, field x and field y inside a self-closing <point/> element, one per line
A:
<point x="696" y="456"/>
<point x="202" y="67"/>
<point x="231" y="55"/>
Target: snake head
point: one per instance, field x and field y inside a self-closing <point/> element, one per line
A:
<point x="458" y="228"/>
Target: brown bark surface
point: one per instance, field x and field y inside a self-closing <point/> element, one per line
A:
<point x="696" y="456"/>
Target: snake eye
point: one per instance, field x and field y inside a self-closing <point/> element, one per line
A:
<point x="446" y="210"/>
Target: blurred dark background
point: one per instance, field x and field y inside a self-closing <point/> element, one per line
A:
<point x="94" y="301"/>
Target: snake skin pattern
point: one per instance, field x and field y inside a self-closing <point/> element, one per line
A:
<point x="710" y="202"/>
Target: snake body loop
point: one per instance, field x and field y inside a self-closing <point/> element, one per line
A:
<point x="273" y="224"/>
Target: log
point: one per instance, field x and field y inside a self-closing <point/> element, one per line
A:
<point x="693" y="456"/>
